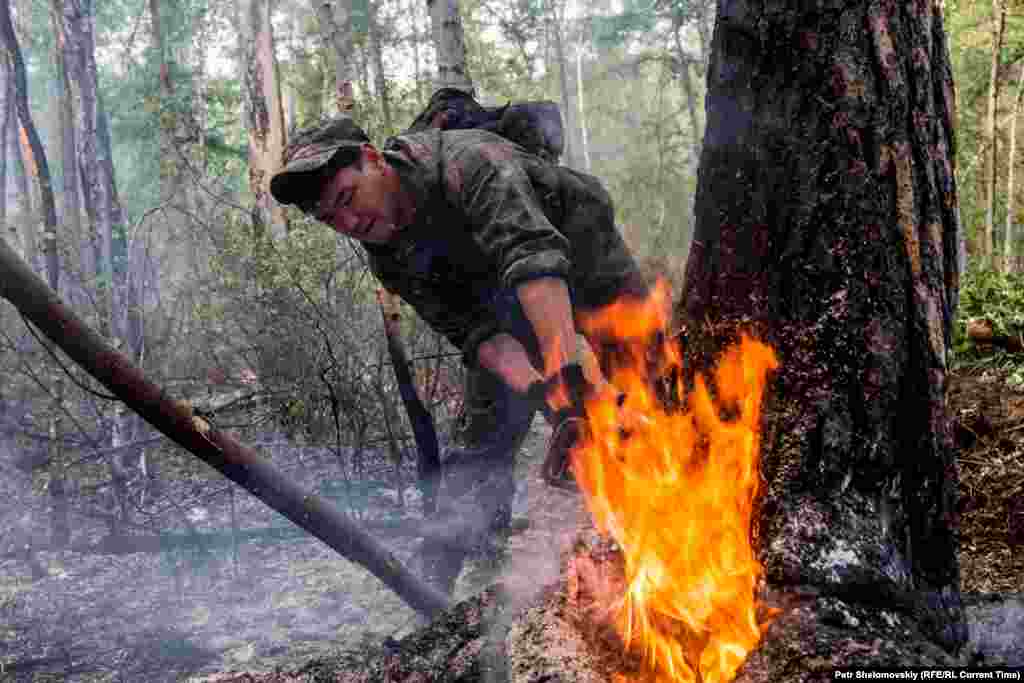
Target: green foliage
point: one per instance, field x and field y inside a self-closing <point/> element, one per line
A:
<point x="995" y="296"/>
<point x="999" y="298"/>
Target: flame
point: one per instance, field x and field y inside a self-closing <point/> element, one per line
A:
<point x="676" y="491"/>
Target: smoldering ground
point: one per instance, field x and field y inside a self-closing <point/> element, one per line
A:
<point x="277" y="599"/>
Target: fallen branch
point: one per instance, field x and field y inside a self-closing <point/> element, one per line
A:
<point x="41" y="305"/>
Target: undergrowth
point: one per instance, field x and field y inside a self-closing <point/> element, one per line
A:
<point x="998" y="298"/>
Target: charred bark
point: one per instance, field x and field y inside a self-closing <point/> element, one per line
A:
<point x="826" y="220"/>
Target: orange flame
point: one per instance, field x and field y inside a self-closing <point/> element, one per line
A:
<point x="676" y="491"/>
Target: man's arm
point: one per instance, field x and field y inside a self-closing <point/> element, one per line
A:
<point x="545" y="302"/>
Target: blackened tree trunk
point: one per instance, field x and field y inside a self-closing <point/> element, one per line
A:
<point x="826" y="220"/>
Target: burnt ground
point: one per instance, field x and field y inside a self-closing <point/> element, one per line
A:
<point x="172" y="616"/>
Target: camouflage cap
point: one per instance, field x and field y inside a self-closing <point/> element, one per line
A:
<point x="308" y="153"/>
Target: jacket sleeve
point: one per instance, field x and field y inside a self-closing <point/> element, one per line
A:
<point x="508" y="221"/>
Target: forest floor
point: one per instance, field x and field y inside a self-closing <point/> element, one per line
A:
<point x="169" y="617"/>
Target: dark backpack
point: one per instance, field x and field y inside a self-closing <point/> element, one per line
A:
<point x="535" y="126"/>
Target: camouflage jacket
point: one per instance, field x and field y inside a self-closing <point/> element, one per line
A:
<point x="489" y="216"/>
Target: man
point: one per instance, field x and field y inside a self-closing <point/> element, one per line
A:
<point x="499" y="251"/>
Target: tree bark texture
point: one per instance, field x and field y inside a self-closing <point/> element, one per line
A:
<point x="177" y="420"/>
<point x="450" y="44"/>
<point x="264" y="110"/>
<point x="826" y="220"/>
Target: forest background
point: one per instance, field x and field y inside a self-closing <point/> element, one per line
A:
<point x="136" y="140"/>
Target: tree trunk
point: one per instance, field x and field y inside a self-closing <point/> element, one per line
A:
<point x="264" y="112"/>
<point x="450" y="44"/>
<point x="336" y="32"/>
<point x="24" y="208"/>
<point x="380" y="80"/>
<point x="7" y="119"/>
<point x="557" y="24"/>
<point x="70" y="202"/>
<point x="78" y="26"/>
<point x="60" y="528"/>
<point x="428" y="460"/>
<point x="998" y="32"/>
<point x="414" y="12"/>
<point x="826" y="220"/>
<point x="178" y="421"/>
<point x="581" y="109"/>
<point x="1008" y="256"/>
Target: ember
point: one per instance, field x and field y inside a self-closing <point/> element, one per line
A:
<point x="675" y="489"/>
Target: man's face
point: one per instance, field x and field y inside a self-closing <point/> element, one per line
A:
<point x="362" y="200"/>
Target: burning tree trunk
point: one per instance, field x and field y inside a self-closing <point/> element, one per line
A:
<point x="826" y="220"/>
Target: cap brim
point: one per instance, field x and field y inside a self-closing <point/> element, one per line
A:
<point x="298" y="180"/>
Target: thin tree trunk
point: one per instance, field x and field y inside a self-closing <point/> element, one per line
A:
<point x="1008" y="256"/>
<point x="60" y="527"/>
<point x="998" y="32"/>
<point x="414" y="13"/>
<point x="264" y="112"/>
<point x="70" y="200"/>
<point x="176" y="419"/>
<point x="336" y="31"/>
<point x="565" y="85"/>
<point x="841" y="252"/>
<point x="7" y="116"/>
<point x="446" y="25"/>
<point x="580" y="106"/>
<point x="25" y="222"/>
<point x="377" y="50"/>
<point x="428" y="461"/>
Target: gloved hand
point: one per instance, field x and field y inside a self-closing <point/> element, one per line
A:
<point x="570" y="388"/>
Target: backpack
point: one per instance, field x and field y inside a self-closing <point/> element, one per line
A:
<point x="534" y="126"/>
